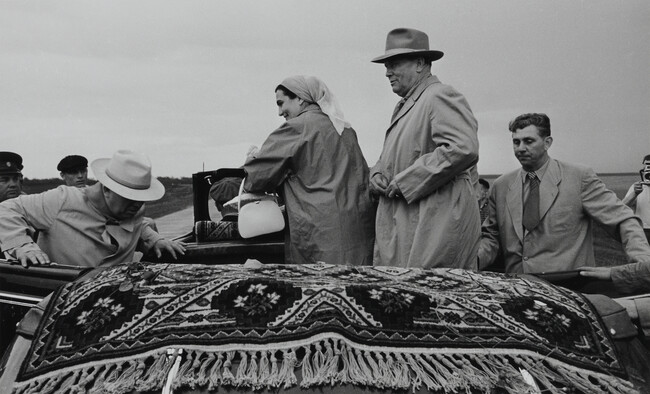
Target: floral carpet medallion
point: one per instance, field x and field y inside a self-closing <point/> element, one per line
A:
<point x="312" y="325"/>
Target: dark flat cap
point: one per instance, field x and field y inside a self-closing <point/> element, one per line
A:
<point x="10" y="163"/>
<point x="71" y="163"/>
<point x="225" y="189"/>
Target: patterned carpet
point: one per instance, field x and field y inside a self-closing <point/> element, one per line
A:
<point x="140" y="327"/>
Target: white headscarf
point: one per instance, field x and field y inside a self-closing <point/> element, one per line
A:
<point x="313" y="90"/>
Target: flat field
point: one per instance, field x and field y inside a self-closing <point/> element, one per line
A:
<point x="178" y="194"/>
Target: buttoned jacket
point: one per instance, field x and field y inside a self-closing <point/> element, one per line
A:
<point x="571" y="196"/>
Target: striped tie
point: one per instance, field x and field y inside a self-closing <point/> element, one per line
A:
<point x="531" y="206"/>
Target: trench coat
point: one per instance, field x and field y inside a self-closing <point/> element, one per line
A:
<point x="324" y="181"/>
<point x="430" y="149"/>
<point x="570" y="197"/>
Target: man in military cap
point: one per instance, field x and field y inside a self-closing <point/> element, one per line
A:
<point x="74" y="170"/>
<point x="11" y="179"/>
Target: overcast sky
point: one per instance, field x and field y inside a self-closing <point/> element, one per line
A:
<point x="191" y="83"/>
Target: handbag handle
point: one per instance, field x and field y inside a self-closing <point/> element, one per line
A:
<point x="258" y="197"/>
<point x="241" y="190"/>
<point x="263" y="217"/>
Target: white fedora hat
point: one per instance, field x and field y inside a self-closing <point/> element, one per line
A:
<point x="128" y="174"/>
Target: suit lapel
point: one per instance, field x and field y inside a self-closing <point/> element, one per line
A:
<point x="514" y="204"/>
<point x="548" y="188"/>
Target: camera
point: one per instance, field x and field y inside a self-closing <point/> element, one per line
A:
<point x="645" y="174"/>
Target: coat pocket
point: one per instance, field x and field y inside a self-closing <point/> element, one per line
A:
<point x="563" y="219"/>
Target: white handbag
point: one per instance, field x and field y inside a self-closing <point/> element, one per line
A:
<point x="259" y="214"/>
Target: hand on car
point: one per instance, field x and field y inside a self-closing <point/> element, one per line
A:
<point x="602" y="273"/>
<point x="31" y="254"/>
<point x="175" y="248"/>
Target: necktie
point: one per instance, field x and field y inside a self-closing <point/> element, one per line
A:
<point x="531" y="206"/>
<point x="399" y="106"/>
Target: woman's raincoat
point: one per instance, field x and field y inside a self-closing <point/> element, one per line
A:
<point x="324" y="182"/>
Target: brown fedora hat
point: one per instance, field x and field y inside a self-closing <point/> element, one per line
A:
<point x="404" y="41"/>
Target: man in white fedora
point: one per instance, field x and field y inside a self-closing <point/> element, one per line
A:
<point x="97" y="225"/>
<point x="427" y="215"/>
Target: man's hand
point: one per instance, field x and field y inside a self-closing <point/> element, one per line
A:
<point x="174" y="248"/>
<point x="392" y="191"/>
<point x="602" y="273"/>
<point x="30" y="253"/>
<point x="638" y="188"/>
<point x="378" y="184"/>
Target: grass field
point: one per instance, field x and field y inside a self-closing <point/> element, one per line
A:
<point x="179" y="196"/>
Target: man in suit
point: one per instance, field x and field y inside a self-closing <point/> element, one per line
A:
<point x="541" y="215"/>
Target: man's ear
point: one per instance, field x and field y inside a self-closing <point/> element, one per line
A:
<point x="420" y="62"/>
<point x="61" y="174"/>
<point x="548" y="141"/>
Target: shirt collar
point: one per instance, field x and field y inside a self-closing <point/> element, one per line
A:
<point x="98" y="202"/>
<point x="539" y="172"/>
<point x="419" y="87"/>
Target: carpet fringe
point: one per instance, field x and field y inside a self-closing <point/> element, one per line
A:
<point x="330" y="361"/>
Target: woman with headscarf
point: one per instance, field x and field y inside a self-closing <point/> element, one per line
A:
<point x="316" y="159"/>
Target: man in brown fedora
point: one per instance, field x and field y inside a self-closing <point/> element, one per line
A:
<point x="427" y="215"/>
<point x="96" y="225"/>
